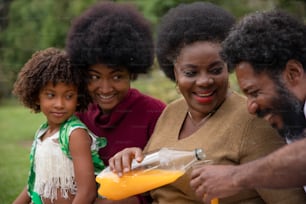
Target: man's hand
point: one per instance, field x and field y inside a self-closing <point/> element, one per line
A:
<point x="214" y="181"/>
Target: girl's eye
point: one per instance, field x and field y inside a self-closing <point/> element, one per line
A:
<point x="69" y="96"/>
<point x="50" y="95"/>
<point x="117" y="77"/>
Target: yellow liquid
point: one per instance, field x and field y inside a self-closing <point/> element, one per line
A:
<point x="214" y="201"/>
<point x="135" y="182"/>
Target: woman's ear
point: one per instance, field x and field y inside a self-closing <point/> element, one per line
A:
<point x="293" y="72"/>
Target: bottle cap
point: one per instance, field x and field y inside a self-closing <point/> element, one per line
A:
<point x="199" y="154"/>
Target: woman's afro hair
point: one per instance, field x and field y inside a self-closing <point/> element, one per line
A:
<point x="114" y="34"/>
<point x="186" y="24"/>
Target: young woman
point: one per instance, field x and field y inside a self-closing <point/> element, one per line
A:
<point x="111" y="43"/>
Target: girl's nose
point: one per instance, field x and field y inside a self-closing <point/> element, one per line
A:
<point x="59" y="102"/>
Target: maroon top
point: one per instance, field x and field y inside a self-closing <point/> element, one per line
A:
<point x="130" y="124"/>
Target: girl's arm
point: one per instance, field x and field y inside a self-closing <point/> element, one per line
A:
<point x="23" y="197"/>
<point x="79" y="146"/>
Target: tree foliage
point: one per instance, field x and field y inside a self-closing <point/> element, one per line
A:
<point x="30" y="25"/>
<point x="33" y="25"/>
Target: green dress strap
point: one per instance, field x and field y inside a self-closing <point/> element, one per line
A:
<point x="66" y="128"/>
<point x="72" y="123"/>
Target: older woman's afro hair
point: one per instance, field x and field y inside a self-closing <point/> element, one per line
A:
<point x="186" y="24"/>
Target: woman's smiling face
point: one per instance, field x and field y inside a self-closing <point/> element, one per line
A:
<point x="108" y="86"/>
<point x="201" y="76"/>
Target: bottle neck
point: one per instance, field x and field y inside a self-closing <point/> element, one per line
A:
<point x="170" y="159"/>
<point x="199" y="154"/>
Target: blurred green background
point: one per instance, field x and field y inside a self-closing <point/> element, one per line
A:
<point x="30" y="25"/>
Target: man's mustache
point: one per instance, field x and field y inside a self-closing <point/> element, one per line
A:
<point x="264" y="112"/>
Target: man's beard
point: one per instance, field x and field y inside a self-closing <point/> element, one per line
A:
<point x="288" y="106"/>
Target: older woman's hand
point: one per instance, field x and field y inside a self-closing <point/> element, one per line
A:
<point x="121" y="162"/>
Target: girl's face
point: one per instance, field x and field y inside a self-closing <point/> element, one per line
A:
<point x="108" y="86"/>
<point x="201" y="76"/>
<point x="58" y="102"/>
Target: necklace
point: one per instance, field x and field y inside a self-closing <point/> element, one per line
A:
<point x="197" y="124"/>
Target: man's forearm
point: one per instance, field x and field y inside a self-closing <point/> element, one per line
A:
<point x="283" y="168"/>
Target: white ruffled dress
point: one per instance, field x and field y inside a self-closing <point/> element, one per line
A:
<point x="54" y="170"/>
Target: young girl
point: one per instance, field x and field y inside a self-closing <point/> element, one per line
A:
<point x="64" y="155"/>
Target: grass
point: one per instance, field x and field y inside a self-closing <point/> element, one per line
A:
<point x="157" y="85"/>
<point x="18" y="125"/>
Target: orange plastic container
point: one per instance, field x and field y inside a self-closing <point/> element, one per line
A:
<point x="134" y="182"/>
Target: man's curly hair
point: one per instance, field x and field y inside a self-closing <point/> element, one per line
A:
<point x="186" y="24"/>
<point x="266" y="40"/>
<point x="49" y="65"/>
<point x="114" y="34"/>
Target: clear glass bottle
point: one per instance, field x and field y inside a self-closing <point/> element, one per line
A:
<point x="169" y="159"/>
<point x="156" y="169"/>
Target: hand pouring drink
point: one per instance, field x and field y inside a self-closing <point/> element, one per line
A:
<point x="157" y="169"/>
